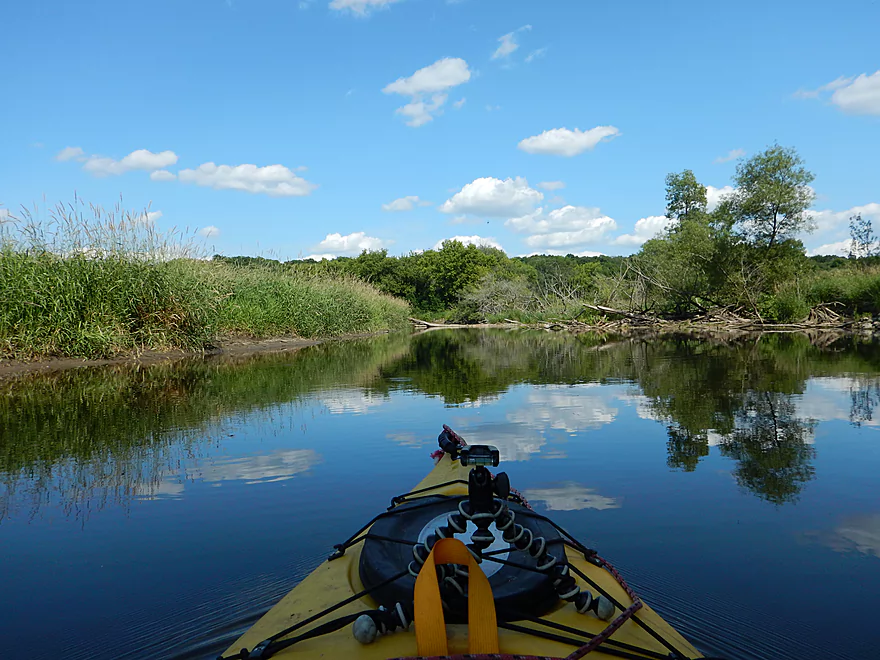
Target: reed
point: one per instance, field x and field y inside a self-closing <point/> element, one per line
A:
<point x="84" y="281"/>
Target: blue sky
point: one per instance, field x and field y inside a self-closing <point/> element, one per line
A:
<point x="291" y="128"/>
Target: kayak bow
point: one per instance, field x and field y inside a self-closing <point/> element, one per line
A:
<point x="521" y="587"/>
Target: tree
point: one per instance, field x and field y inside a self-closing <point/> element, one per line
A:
<point x="685" y="195"/>
<point x="772" y="196"/>
<point x="864" y="242"/>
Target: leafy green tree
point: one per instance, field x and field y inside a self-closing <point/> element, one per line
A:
<point x="772" y="196"/>
<point x="685" y="196"/>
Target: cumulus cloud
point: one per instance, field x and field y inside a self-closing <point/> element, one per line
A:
<point x="459" y="103"/>
<point x="733" y="154"/>
<point x="352" y="243"/>
<point x="839" y="248"/>
<point x="488" y="196"/>
<point x="832" y="228"/>
<point x="70" y="153"/>
<point x="508" y="43"/>
<point x="551" y="185"/>
<point x="162" y="175"/>
<point x="420" y="112"/>
<point x="828" y="220"/>
<point x="272" y="180"/>
<point x="715" y="195"/>
<point x="563" y="142"/>
<point x="209" y="232"/>
<point x="407" y="203"/>
<point x="142" y="159"/>
<point x="427" y="89"/>
<point x="857" y="95"/>
<point x="567" y="227"/>
<point x="359" y="7"/>
<point x="487" y="241"/>
<point x="645" y="229"/>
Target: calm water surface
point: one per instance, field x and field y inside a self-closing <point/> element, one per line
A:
<point x="156" y="512"/>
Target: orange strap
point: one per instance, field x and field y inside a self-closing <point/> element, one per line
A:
<point x="429" y="619"/>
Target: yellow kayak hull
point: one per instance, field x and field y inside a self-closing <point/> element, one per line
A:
<point x="334" y="581"/>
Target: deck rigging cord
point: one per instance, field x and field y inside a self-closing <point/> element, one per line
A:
<point x="485" y="504"/>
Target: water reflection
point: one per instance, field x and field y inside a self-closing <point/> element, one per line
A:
<point x="570" y="496"/>
<point x="859" y="533"/>
<point x="86" y="437"/>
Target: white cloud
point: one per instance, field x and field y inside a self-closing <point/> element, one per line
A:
<point x="459" y="103"/>
<point x="162" y="175"/>
<point x="508" y="43"/>
<point x="859" y="97"/>
<point x="551" y="185"/>
<point x="714" y="196"/>
<point x="856" y="95"/>
<point x="470" y="240"/>
<point x="359" y="7"/>
<point x="407" y="203"/>
<point x="839" y="248"/>
<point x="645" y="229"/>
<point x="142" y="159"/>
<point x="488" y="196"/>
<point x="432" y="81"/>
<point x="351" y="243"/>
<point x="815" y="93"/>
<point x="5" y="215"/>
<point x="70" y="153"/>
<point x="733" y="154"/>
<point x="419" y="112"/>
<point x="493" y="108"/>
<point x="319" y="257"/>
<point x="209" y="232"/>
<point x="272" y="180"/>
<point x="439" y="76"/>
<point x="563" y="142"/>
<point x="535" y="54"/>
<point x="828" y="220"/>
<point x="567" y="227"/>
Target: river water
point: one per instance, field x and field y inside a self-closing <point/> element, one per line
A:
<point x="156" y="512"/>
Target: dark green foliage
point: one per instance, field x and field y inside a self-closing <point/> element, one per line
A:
<point x="772" y="196"/>
<point x="685" y="196"/>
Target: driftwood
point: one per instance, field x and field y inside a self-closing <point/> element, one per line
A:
<point x="641" y="318"/>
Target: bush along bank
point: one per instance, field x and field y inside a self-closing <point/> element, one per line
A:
<point x="740" y="258"/>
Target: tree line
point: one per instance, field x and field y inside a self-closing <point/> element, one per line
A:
<point x="745" y="254"/>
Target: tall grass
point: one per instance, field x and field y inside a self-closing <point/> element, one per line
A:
<point x="88" y="282"/>
<point x="852" y="291"/>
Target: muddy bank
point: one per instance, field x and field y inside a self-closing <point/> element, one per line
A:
<point x="231" y="346"/>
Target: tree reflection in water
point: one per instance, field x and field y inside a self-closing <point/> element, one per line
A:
<point x="85" y="437"/>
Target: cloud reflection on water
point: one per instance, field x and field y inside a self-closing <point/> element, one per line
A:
<point x="571" y="496"/>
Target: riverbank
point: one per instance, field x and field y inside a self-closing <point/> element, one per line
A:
<point x="231" y="346"/>
<point x="101" y="285"/>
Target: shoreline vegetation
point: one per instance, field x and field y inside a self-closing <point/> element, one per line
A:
<point x="85" y="282"/>
<point x="96" y="284"/>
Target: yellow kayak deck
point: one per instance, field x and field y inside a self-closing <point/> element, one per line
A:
<point x="337" y="580"/>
